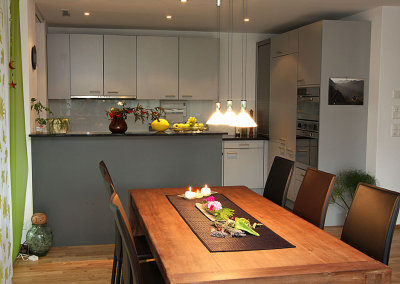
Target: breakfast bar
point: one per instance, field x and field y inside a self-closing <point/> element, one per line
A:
<point x="67" y="184"/>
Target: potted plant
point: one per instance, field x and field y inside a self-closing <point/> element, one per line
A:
<point x="55" y="125"/>
<point x="38" y="107"/>
<point x="346" y="184"/>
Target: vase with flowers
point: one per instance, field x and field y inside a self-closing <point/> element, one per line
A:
<point x="119" y="115"/>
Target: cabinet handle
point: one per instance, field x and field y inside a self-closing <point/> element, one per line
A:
<point x="170" y="96"/>
<point x="94" y="92"/>
<point x="279" y="52"/>
<point x="244" y="144"/>
<point x="289" y="150"/>
<point x="300" y="80"/>
<point x="282" y="147"/>
<point x="112" y="92"/>
<point x="282" y="139"/>
<point x="187" y="96"/>
<point x="303" y="151"/>
<point x="232" y="153"/>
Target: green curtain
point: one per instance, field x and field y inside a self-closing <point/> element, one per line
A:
<point x="18" y="154"/>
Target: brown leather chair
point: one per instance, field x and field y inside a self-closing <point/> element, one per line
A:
<point x="313" y="198"/>
<point x="141" y="242"/>
<point x="371" y="219"/>
<point x="135" y="271"/>
<point x="278" y="180"/>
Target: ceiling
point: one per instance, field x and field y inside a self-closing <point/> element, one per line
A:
<point x="266" y="16"/>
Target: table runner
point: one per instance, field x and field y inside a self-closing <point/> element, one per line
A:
<point x="201" y="227"/>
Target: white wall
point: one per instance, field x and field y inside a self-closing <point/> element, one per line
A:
<point x="252" y="40"/>
<point x="28" y="34"/>
<point x="383" y="151"/>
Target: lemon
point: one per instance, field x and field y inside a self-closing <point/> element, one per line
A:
<point x="160" y="125"/>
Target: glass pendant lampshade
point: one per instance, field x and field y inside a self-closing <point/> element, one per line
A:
<point x="217" y="118"/>
<point x="243" y="118"/>
<point x="229" y="116"/>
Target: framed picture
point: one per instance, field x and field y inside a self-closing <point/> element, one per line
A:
<point x="345" y="91"/>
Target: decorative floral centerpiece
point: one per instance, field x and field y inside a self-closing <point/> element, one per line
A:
<point x="225" y="223"/>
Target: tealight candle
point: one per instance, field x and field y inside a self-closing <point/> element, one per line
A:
<point x="199" y="194"/>
<point x="190" y="194"/>
<point x="206" y="190"/>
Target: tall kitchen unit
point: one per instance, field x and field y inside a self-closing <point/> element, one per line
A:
<point x="306" y="58"/>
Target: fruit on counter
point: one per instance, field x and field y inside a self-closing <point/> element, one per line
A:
<point x="192" y="121"/>
<point x="191" y="124"/>
<point x="160" y="124"/>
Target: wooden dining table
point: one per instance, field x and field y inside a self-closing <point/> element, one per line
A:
<point x="317" y="257"/>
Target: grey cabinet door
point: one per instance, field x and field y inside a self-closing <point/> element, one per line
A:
<point x="120" y="66"/>
<point x="86" y="65"/>
<point x="285" y="43"/>
<point x="310" y="52"/>
<point x="58" y="68"/>
<point x="198" y="67"/>
<point x="157" y="67"/>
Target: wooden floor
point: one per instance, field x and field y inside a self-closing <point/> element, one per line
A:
<point x="92" y="264"/>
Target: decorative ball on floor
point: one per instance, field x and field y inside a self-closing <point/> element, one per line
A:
<point x="39" y="237"/>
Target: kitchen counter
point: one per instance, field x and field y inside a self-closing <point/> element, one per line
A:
<point x="233" y="138"/>
<point x="68" y="187"/>
<point x="127" y="134"/>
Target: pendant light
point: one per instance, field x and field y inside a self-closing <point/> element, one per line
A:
<point x="217" y="118"/>
<point x="229" y="116"/>
<point x="243" y="118"/>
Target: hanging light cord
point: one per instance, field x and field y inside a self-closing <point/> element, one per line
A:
<point x="219" y="46"/>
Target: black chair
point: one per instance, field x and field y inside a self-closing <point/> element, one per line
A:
<point x="313" y="198"/>
<point x="135" y="271"/>
<point x="278" y="180"/>
<point x="141" y="242"/>
<point x="371" y="220"/>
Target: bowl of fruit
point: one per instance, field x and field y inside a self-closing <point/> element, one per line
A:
<point x="190" y="125"/>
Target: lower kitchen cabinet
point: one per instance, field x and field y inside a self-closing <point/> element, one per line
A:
<point x="244" y="164"/>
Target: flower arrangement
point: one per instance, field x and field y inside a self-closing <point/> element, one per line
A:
<point x="139" y="112"/>
<point x="225" y="222"/>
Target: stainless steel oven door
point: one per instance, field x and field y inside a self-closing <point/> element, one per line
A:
<point x="308" y="108"/>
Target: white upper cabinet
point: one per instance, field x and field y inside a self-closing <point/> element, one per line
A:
<point x="198" y="67"/>
<point x="310" y="54"/>
<point x="157" y="67"/>
<point x="285" y="43"/>
<point x="119" y="66"/>
<point x="58" y="72"/>
<point x="86" y="65"/>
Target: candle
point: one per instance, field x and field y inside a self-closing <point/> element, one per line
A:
<point x="190" y="194"/>
<point x="206" y="190"/>
<point x="199" y="194"/>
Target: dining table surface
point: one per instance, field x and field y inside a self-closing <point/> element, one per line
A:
<point x="317" y="257"/>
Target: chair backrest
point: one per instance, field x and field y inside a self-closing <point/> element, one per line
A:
<point x="107" y="178"/>
<point x="278" y="180"/>
<point x="371" y="220"/>
<point x="313" y="198"/>
<point x="121" y="220"/>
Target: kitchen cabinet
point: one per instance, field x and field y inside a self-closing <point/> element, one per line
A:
<point x="283" y="101"/>
<point x="120" y="66"/>
<point x="58" y="68"/>
<point x="285" y="43"/>
<point x="86" y="65"/>
<point x="310" y="54"/>
<point x="157" y="67"/>
<point x="297" y="179"/>
<point x="198" y="68"/>
<point x="243" y="164"/>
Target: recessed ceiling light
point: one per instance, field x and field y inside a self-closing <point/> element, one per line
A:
<point x="184" y="1"/>
<point x="87" y="13"/>
<point x="168" y="17"/>
<point x="246" y="19"/>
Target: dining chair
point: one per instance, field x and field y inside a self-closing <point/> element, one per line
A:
<point x="278" y="180"/>
<point x="313" y="197"/>
<point x="135" y="271"/>
<point x="371" y="220"/>
<point x="141" y="242"/>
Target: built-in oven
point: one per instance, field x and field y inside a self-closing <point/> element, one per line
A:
<point x="308" y="103"/>
<point x="307" y="143"/>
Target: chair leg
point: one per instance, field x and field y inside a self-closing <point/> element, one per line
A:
<point x="115" y="262"/>
<point x="120" y="262"/>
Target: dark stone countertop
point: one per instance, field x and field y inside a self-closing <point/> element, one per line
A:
<point x="108" y="134"/>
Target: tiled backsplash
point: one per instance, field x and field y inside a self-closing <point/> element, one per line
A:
<point x="89" y="115"/>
